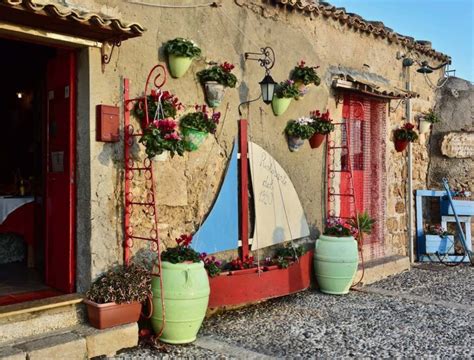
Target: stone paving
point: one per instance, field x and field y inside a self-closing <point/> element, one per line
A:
<point x="422" y="313"/>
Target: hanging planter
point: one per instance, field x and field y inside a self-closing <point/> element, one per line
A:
<point x="181" y="53"/>
<point x="197" y="125"/>
<point x="427" y="119"/>
<point x="322" y="125"/>
<point x="304" y="76"/>
<point x="284" y="93"/>
<point x="297" y="131"/>
<point x="316" y="140"/>
<point x="215" y="79"/>
<point x="186" y="294"/>
<point x="424" y="126"/>
<point x="403" y="136"/>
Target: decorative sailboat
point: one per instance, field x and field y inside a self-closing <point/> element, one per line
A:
<point x="279" y="217"/>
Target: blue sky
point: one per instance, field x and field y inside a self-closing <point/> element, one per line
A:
<point x="448" y="24"/>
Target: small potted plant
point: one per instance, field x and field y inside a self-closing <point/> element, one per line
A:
<point x="403" y="136"/>
<point x="297" y="131"/>
<point x="181" y="53"/>
<point x="304" y="76"/>
<point x="196" y="125"/>
<point x="322" y="125"/>
<point x="336" y="257"/>
<point x="115" y="297"/>
<point x="186" y="293"/>
<point x="161" y="136"/>
<point x="284" y="92"/>
<point x="215" y="79"/>
<point x="427" y="119"/>
<point x="363" y="225"/>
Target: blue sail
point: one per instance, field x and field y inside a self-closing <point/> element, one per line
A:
<point x="220" y="230"/>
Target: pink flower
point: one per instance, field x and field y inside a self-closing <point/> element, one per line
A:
<point x="227" y="67"/>
<point x="302" y="64"/>
<point x="172" y="136"/>
<point x="166" y="125"/>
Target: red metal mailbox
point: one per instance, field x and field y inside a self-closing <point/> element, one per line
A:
<point x="107" y="123"/>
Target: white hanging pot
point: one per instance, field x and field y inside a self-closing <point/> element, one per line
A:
<point x="424" y="126"/>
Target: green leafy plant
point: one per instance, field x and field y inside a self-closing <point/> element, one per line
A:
<point x="200" y="120"/>
<point x="364" y="223"/>
<point x="305" y="74"/>
<point x="406" y="133"/>
<point x="211" y="264"/>
<point x="160" y="136"/>
<point x="300" y="128"/>
<point x="122" y="284"/>
<point x="220" y="73"/>
<point x="322" y="123"/>
<point x="182" y="47"/>
<point x="170" y="105"/>
<point x="182" y="252"/>
<point x="287" y="89"/>
<point x="431" y="116"/>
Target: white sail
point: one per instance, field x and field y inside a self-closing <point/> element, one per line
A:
<point x="279" y="215"/>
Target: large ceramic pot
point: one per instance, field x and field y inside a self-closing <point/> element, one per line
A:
<point x="192" y="138"/>
<point x="401" y="145"/>
<point x="424" y="126"/>
<point x="335" y="263"/>
<point x="280" y="105"/>
<point x="179" y="65"/>
<point x="103" y="316"/>
<point x="186" y="295"/>
<point x="214" y="93"/>
<point x="294" y="143"/>
<point x="316" y="140"/>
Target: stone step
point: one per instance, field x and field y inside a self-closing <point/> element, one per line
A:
<point x="76" y="342"/>
<point x="30" y="318"/>
<point x="379" y="269"/>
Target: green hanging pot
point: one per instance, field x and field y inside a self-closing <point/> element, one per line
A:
<point x="280" y="105"/>
<point x="192" y="138"/>
<point x="335" y="263"/>
<point x="186" y="296"/>
<point x="179" y="65"/>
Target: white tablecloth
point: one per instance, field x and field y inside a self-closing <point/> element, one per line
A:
<point x="10" y="204"/>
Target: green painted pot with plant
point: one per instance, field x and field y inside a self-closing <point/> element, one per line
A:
<point x="185" y="291"/>
<point x="427" y="119"/>
<point x="284" y="93"/>
<point x="297" y="131"/>
<point x="304" y="76"/>
<point x="197" y="125"/>
<point x="215" y="79"/>
<point x="181" y="53"/>
<point x="403" y="136"/>
<point x="322" y="125"/>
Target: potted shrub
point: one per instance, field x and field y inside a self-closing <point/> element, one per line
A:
<point x="196" y="125"/>
<point x="181" y="53"/>
<point x="304" y="76"/>
<point x="161" y="136"/>
<point x="427" y="119"/>
<point x="336" y="257"/>
<point x="297" y="131"/>
<point x="115" y="297"/>
<point x="403" y="136"/>
<point x="186" y="293"/>
<point x="284" y="92"/>
<point x="215" y="79"/>
<point x="322" y="126"/>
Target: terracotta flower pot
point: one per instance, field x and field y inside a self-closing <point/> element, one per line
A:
<point x="316" y="140"/>
<point x="294" y="143"/>
<point x="103" y="316"/>
<point x="214" y="93"/>
<point x="401" y="145"/>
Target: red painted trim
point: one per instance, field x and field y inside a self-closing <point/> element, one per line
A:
<point x="244" y="185"/>
<point x="72" y="173"/>
<point x="126" y="116"/>
<point x="244" y="287"/>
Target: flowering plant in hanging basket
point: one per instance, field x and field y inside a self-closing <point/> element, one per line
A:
<point x="304" y="76"/>
<point x="215" y="79"/>
<point x="322" y="125"/>
<point x="196" y="125"/>
<point x="160" y="136"/>
<point x="180" y="53"/>
<point x="403" y="136"/>
<point x="284" y="93"/>
<point x="297" y="131"/>
<point x="161" y="105"/>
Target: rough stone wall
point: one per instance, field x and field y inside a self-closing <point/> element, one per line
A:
<point x="224" y="34"/>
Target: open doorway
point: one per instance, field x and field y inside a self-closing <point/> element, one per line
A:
<point x="36" y="171"/>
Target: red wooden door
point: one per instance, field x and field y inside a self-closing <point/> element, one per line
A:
<point x="60" y="172"/>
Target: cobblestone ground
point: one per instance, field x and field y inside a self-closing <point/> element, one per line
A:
<point x="426" y="312"/>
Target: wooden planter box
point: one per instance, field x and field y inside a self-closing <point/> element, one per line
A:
<point x="463" y="207"/>
<point x="103" y="316"/>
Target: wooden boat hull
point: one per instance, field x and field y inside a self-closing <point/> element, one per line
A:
<point x="242" y="287"/>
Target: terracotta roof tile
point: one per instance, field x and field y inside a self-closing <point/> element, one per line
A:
<point x="356" y="22"/>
